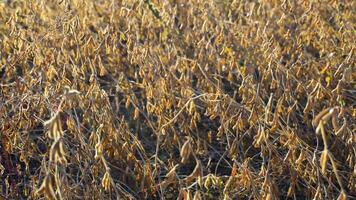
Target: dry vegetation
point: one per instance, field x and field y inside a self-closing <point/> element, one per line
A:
<point x="153" y="99"/>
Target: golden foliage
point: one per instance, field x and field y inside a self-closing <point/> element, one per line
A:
<point x="196" y="99"/>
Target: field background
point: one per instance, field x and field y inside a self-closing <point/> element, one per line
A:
<point x="177" y="99"/>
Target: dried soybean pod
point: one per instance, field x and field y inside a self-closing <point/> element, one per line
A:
<point x="185" y="151"/>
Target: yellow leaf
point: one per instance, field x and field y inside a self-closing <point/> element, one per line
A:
<point x="327" y="80"/>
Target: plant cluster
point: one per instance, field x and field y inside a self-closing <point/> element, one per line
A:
<point x="177" y="99"/>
